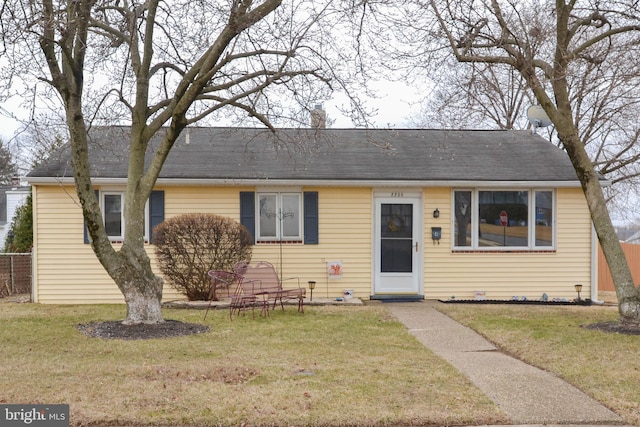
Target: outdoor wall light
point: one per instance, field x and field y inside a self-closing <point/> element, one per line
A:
<point x="436" y="213"/>
<point x="312" y="286"/>
<point x="578" y="290"/>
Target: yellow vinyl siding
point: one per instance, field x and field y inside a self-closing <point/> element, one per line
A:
<point x="344" y="230"/>
<point x="67" y="271"/>
<point x="519" y="273"/>
<point x="304" y="262"/>
<point x="345" y="235"/>
<point x="65" y="268"/>
<point x="223" y="201"/>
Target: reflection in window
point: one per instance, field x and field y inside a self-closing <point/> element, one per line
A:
<point x="397" y="220"/>
<point x="462" y="218"/>
<point x="268" y="220"/>
<point x="544" y="218"/>
<point x="478" y="217"/>
<point x="112" y="208"/>
<point x="493" y="204"/>
<point x="113" y="214"/>
<point x="280" y="216"/>
<point x="290" y="215"/>
<point x="396" y="237"/>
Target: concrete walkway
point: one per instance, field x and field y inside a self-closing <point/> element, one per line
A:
<point x="527" y="395"/>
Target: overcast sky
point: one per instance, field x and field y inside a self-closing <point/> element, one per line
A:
<point x="394" y="104"/>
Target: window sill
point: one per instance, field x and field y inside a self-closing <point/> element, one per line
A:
<point x="504" y="251"/>
<point x="277" y="242"/>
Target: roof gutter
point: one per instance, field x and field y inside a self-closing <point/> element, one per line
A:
<point x="314" y="182"/>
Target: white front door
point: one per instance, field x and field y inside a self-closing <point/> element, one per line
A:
<point x="398" y="247"/>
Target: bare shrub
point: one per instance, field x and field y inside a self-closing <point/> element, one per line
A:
<point x="190" y="245"/>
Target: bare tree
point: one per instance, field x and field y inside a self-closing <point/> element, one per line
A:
<point x="475" y="96"/>
<point x="577" y="58"/>
<point x="488" y="95"/>
<point x="161" y="65"/>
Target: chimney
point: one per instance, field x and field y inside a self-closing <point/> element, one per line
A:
<point x="318" y="117"/>
<point x="15" y="181"/>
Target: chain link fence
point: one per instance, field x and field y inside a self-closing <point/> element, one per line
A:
<point x="15" y="274"/>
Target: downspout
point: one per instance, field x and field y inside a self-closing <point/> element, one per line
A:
<point x="594" y="267"/>
<point x="35" y="297"/>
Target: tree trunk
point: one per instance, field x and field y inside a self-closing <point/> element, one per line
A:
<point x="462" y="213"/>
<point x="162" y="109"/>
<point x="627" y="293"/>
<point x="494" y="40"/>
<point x="130" y="267"/>
<point x="141" y="288"/>
<point x="144" y="300"/>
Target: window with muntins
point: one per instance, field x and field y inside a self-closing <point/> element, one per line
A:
<point x="279" y="216"/>
<point x="503" y="219"/>
<point x="250" y="216"/>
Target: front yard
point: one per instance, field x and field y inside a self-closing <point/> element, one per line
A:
<point x="606" y="366"/>
<point x="332" y="366"/>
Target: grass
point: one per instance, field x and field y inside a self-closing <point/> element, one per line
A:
<point x="331" y="366"/>
<point x="603" y="365"/>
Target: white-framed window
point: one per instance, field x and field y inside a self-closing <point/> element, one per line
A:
<point x="112" y="206"/>
<point x="504" y="219"/>
<point x="279" y="216"/>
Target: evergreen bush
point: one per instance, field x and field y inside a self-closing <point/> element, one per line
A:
<point x="20" y="236"/>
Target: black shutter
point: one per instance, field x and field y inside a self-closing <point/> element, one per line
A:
<point x="248" y="212"/>
<point x="156" y="211"/>
<point x="311" y="218"/>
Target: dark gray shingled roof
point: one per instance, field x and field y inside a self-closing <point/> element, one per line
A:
<point x="335" y="154"/>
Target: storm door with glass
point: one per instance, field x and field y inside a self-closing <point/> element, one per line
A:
<point x="398" y="248"/>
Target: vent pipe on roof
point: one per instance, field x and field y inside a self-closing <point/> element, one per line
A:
<point x="318" y="117"/>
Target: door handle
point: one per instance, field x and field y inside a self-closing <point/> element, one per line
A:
<point x="417" y="248"/>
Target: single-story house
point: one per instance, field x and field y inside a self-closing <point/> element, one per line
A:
<point x="434" y="214"/>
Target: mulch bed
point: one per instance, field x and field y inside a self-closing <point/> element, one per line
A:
<point x="118" y="330"/>
<point x="614" y="328"/>
<point x="514" y="301"/>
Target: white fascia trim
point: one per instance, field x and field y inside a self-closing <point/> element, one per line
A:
<point x="322" y="183"/>
<point x="69" y="181"/>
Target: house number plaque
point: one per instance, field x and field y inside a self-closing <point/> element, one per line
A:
<point x="398" y="194"/>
